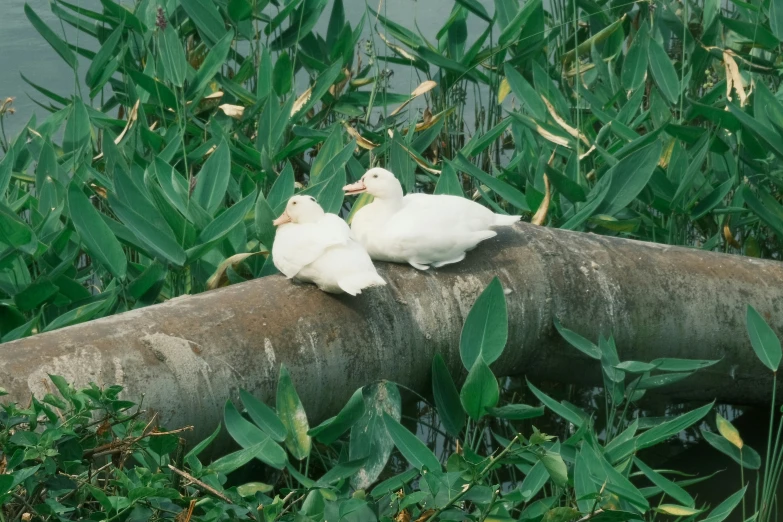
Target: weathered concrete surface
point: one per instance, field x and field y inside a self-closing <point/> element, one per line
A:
<point x="189" y="355"/>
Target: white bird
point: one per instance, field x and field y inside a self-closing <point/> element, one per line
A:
<point x="420" y="229"/>
<point x="315" y="247"/>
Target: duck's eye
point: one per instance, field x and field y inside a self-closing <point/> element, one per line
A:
<point x="293" y="202"/>
<point x="312" y="199"/>
<point x="375" y="175"/>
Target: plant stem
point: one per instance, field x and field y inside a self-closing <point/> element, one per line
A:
<point x="765" y="485"/>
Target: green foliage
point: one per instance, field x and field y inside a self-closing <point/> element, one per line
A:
<point x="193" y="109"/>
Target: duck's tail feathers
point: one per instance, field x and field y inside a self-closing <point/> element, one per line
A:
<point x="505" y="221"/>
<point x="355" y="283"/>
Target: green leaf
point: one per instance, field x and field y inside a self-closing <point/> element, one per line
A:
<point x="213" y="178"/>
<point x="212" y="63"/>
<point x="476" y="8"/>
<point x="667" y="429"/>
<point x="263" y="416"/>
<point x="572" y="415"/>
<point x="77" y="315"/>
<point x="402" y="165"/>
<point x="578" y="342"/>
<point x="517" y="411"/>
<point x="556" y="468"/>
<point x="480" y="390"/>
<point x="282" y="77"/>
<point x="702" y="147"/>
<point x="769" y="211"/>
<point x="635" y="64"/>
<point x="293" y="416"/>
<point x="340" y="472"/>
<point x="6" y="168"/>
<point x="16" y="233"/>
<point x="52" y="39"/>
<point x="512" y="30"/>
<point x="569" y="188"/>
<point x="330" y="430"/>
<point x="747" y="457"/>
<point x="282" y="189"/>
<point x="656" y="381"/>
<point x="724" y="509"/>
<point x="414" y="450"/>
<point x="247" y="435"/>
<point x="264" y="216"/>
<point x="157" y="90"/>
<point x="594" y="200"/>
<point x="35" y="294"/>
<point x="369" y="436"/>
<point x="251" y="488"/>
<point x="663" y="71"/>
<point x="485" y="332"/>
<point x="201" y="446"/>
<point x="629" y="177"/>
<point x="77" y="130"/>
<point x="207" y="19"/>
<point x="712" y="200"/>
<point x="448" y="182"/>
<point x="776" y="18"/>
<point x="226" y="221"/>
<point x="175" y="65"/>
<point x="325" y="80"/>
<point x="668" y="487"/>
<point x="763" y="339"/>
<point x="447" y="399"/>
<point x="102" y="58"/>
<point x="234" y="461"/>
<point x="101" y="244"/>
<point x="668" y="364"/>
<point x="525" y="93"/>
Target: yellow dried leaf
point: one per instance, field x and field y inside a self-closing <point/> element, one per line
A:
<point x="397" y="49"/>
<point x="734" y="78"/>
<point x="219" y="278"/>
<point x="232" y="111"/>
<point x="560" y="121"/>
<point x="132" y="116"/>
<point x="360" y="140"/>
<point x="677" y="511"/>
<point x="300" y="102"/>
<point x="728" y="431"/>
<point x="558" y="140"/>
<point x="666" y="156"/>
<point x="540" y="216"/>
<point x="214" y="96"/>
<point x="728" y="236"/>
<point x="361" y="82"/>
<point x="423" y="88"/>
<point x="503" y="90"/>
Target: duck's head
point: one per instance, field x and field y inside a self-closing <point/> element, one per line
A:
<point x="300" y="209"/>
<point x="377" y="182"/>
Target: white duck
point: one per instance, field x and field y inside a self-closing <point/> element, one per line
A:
<point x="315" y="247"/>
<point x="420" y="229"/>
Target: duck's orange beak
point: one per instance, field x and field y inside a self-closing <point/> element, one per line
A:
<point x="282" y="220"/>
<point x="355" y="188"/>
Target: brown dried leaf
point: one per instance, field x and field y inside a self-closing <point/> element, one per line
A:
<point x="423" y="88"/>
<point x="734" y="78"/>
<point x="397" y="49"/>
<point x="503" y="90"/>
<point x="728" y="236"/>
<point x="219" y="278"/>
<point x="558" y="140"/>
<point x="403" y="516"/>
<point x="426" y="515"/>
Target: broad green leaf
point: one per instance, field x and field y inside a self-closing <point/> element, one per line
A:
<point x="264" y="216"/>
<point x="578" y="342"/>
<point x="369" y="436"/>
<point x="234" y="461"/>
<point x="746" y="457"/>
<point x="226" y="221"/>
<point x="776" y="18"/>
<point x="325" y="80"/>
<point x="102" y="58"/>
<point x="712" y="200"/>
<point x="724" y="509"/>
<point x="247" y="435"/>
<point x="77" y="130"/>
<point x="656" y="381"/>
<point x="282" y="189"/>
<point x="525" y="93"/>
<point x="212" y="63"/>
<point x="516" y="411"/>
<point x="677" y="511"/>
<point x="668" y="487"/>
<point x="594" y="200"/>
<point x="414" y="450"/>
<point x="448" y="182"/>
<point x="6" y="168"/>
<point x="556" y="468"/>
<point x="331" y="429"/>
<point x="293" y="416"/>
<point x="663" y="71"/>
<point x="16" y="233"/>
<point x="212" y="180"/>
<point x="251" y="488"/>
<point x="77" y="315"/>
<point x="282" y="76"/>
<point x="765" y="207"/>
<point x="536" y="479"/>
<point x="207" y="19"/>
<point x="635" y="64"/>
<point x="763" y="339"/>
<point x="175" y="65"/>
<point x="394" y="483"/>
<point x="629" y="177"/>
<point x="480" y="390"/>
<point x="670" y="428"/>
<point x="577" y="418"/>
<point x="263" y="416"/>
<point x="402" y="165"/>
<point x="584" y="487"/>
<point x="475" y="7"/>
<point x="341" y="471"/>
<point x="701" y="147"/>
<point x="512" y="30"/>
<point x="668" y="364"/>
<point x="485" y="331"/>
<point x="447" y="398"/>
<point x="51" y="38"/>
<point x="100" y="242"/>
<point x="204" y="444"/>
<point x="563" y="184"/>
<point x="35" y="294"/>
<point x="635" y="367"/>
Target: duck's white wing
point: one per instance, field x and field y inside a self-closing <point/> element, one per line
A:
<point x="296" y="246"/>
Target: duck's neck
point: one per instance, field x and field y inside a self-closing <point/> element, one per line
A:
<point x="390" y="202"/>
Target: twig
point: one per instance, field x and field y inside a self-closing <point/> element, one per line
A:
<point x="285" y="499"/>
<point x="205" y="487"/>
<point x="590" y="515"/>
